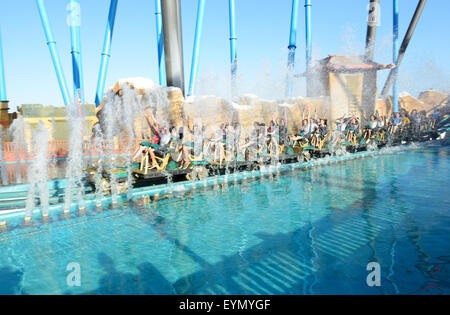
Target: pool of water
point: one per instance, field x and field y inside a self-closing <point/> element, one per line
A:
<point x="309" y="232"/>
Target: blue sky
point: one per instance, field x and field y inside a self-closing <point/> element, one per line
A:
<point x="263" y="34"/>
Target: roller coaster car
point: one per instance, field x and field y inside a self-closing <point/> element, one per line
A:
<point x="380" y="136"/>
<point x="161" y="162"/>
<point x="167" y="168"/>
<point x="350" y="139"/>
<point x="302" y="148"/>
<point x="281" y="153"/>
<point x="298" y="144"/>
<point x="367" y="136"/>
<point x="395" y="137"/>
<point x="213" y="155"/>
<point x="120" y="179"/>
<point x="443" y="126"/>
<point x="199" y="170"/>
<point x="275" y="149"/>
<point x="250" y="153"/>
<point x="261" y="151"/>
<point x="103" y="174"/>
<point x="197" y="167"/>
<point x="318" y="142"/>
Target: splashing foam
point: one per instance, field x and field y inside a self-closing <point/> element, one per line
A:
<point x="75" y="162"/>
<point x="121" y="117"/>
<point x="38" y="174"/>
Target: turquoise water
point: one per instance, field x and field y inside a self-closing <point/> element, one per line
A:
<point x="310" y="232"/>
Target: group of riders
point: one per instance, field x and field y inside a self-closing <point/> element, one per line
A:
<point x="185" y="147"/>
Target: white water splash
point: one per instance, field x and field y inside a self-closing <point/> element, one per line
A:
<point x="38" y="174"/>
<point x="98" y="148"/>
<point x="75" y="163"/>
<point x="17" y="129"/>
<point x="121" y="118"/>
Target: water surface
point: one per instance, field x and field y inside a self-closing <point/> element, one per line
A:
<point x="309" y="232"/>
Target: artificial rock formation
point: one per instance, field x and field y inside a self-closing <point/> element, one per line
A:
<point x="210" y="111"/>
<point x="426" y="101"/>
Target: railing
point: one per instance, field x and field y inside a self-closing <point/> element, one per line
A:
<point x="14" y="151"/>
<point x="59" y="146"/>
<point x="11" y="147"/>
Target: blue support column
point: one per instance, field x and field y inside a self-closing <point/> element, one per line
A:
<point x="395" y="55"/>
<point x="2" y="73"/>
<point x="160" y="39"/>
<point x="106" y="54"/>
<point x="77" y="68"/>
<point x="196" y="52"/>
<point x="308" y="34"/>
<point x="308" y="39"/>
<point x="233" y="38"/>
<point x="409" y="33"/>
<point x="53" y="51"/>
<point x="292" y="46"/>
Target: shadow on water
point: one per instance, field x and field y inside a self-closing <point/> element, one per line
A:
<point x="279" y="264"/>
<point x="148" y="281"/>
<point x="268" y="268"/>
<point x="10" y="281"/>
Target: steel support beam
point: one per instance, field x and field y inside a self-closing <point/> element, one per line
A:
<point x="106" y="54"/>
<point x="308" y="39"/>
<point x="53" y="51"/>
<point x="405" y="43"/>
<point x="173" y="43"/>
<point x="292" y="46"/>
<point x="372" y="23"/>
<point x="196" y="52"/>
<point x="395" y="55"/>
<point x="233" y="39"/>
<point x="77" y="67"/>
<point x="160" y="40"/>
<point x="369" y="93"/>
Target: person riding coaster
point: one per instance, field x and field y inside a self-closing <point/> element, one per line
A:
<point x="159" y="136"/>
<point x="221" y="149"/>
<point x="195" y="152"/>
<point x="351" y="133"/>
<point x="192" y="148"/>
<point x="274" y="148"/>
<point x="318" y="136"/>
<point x="369" y="132"/>
<point x="349" y="138"/>
<point x="160" y="155"/>
<point x="216" y="151"/>
<point x="301" y="146"/>
<point x="394" y="124"/>
<point x="379" y="135"/>
<point x="273" y="140"/>
<point x="252" y="147"/>
<point x="167" y="150"/>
